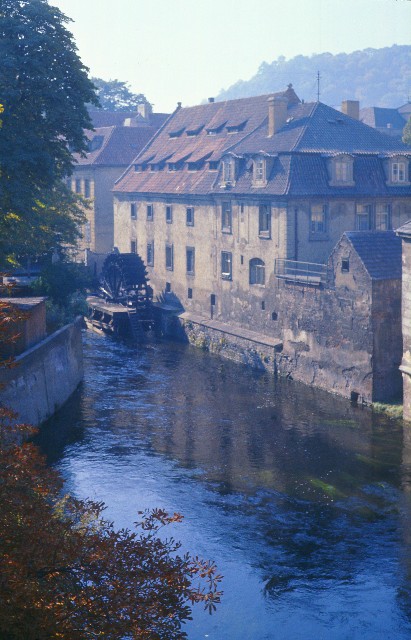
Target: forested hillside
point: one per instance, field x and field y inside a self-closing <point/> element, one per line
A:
<point x="375" y="77"/>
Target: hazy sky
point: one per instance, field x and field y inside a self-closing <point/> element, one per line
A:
<point x="187" y="50"/>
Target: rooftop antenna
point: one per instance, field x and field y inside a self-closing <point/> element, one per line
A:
<point x="318" y="86"/>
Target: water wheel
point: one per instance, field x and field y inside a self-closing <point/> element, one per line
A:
<point x="124" y="278"/>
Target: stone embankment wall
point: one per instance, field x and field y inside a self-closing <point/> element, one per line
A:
<point x="341" y="339"/>
<point x="44" y="376"/>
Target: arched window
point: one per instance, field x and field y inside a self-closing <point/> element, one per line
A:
<point x="257" y="271"/>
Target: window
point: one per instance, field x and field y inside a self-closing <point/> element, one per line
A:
<point x="382" y="217"/>
<point x="226" y="217"/>
<point x="363" y="217"/>
<point x="168" y="287"/>
<point x="213" y="165"/>
<point x="398" y="172"/>
<point x="78" y="185"/>
<point x="169" y="257"/>
<point x="150" y="254"/>
<point x="345" y="265"/>
<point x="257" y="271"/>
<point x="318" y="219"/>
<point x="342" y="171"/>
<point x="87" y="232"/>
<point x="190" y="216"/>
<point x="189" y="293"/>
<point x="190" y="260"/>
<point x="150" y="212"/>
<point x="259" y="170"/>
<point x="133" y="211"/>
<point x="264" y="221"/>
<point x="133" y="246"/>
<point x="228" y="173"/>
<point x="226" y="265"/>
<point x="87" y="189"/>
<point x="212" y="299"/>
<point x="169" y="214"/>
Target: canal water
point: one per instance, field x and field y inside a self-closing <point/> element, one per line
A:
<point x="303" y="500"/>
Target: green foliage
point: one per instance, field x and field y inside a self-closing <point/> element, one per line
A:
<point x="115" y="95"/>
<point x="43" y="87"/>
<point x="375" y="77"/>
<point x="406" y="136"/>
<point x="54" y="222"/>
<point x="65" y="284"/>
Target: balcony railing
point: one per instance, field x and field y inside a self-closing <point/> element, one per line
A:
<point x="303" y="272"/>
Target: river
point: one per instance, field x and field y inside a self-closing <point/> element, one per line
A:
<point x="303" y="500"/>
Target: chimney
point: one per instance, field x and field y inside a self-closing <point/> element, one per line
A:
<point x="145" y="110"/>
<point x="277" y="113"/>
<point x="351" y="108"/>
<point x="211" y="99"/>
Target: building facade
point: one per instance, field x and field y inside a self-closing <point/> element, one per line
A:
<point x="113" y="144"/>
<point x="231" y="197"/>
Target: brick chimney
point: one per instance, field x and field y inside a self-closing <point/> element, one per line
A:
<point x="351" y="108"/>
<point x="277" y="113"/>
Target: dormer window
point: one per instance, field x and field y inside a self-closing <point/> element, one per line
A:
<point x="342" y="171"/>
<point x="398" y="171"/>
<point x="177" y="133"/>
<point x="259" y="172"/>
<point x="228" y="170"/>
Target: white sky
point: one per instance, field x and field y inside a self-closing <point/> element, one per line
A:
<point x="187" y="50"/>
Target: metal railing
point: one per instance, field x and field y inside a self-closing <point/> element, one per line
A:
<point x="304" y="272"/>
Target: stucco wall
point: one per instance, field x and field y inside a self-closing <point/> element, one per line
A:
<point x="45" y="376"/>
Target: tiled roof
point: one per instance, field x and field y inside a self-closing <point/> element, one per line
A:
<point x="115" y="146"/>
<point x="404" y="230"/>
<point x="379" y="251"/>
<point x="382" y="118"/>
<point x="313" y="133"/>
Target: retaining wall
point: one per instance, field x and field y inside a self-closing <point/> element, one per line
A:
<point x="44" y="376"/>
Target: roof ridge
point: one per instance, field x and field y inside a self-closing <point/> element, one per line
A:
<point x="304" y="128"/>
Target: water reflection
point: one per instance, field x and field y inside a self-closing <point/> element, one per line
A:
<point x="303" y="500"/>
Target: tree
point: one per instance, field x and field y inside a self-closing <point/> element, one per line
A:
<point x="66" y="573"/>
<point x="115" y="95"/>
<point x="43" y="87"/>
<point x="406" y="136"/>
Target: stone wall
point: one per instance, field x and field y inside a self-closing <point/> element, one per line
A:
<point x="335" y="338"/>
<point x="44" y="376"/>
<point x="406" y="325"/>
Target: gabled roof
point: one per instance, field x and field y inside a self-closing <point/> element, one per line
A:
<point x="382" y="118"/>
<point x="115" y="146"/>
<point x="379" y="251"/>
